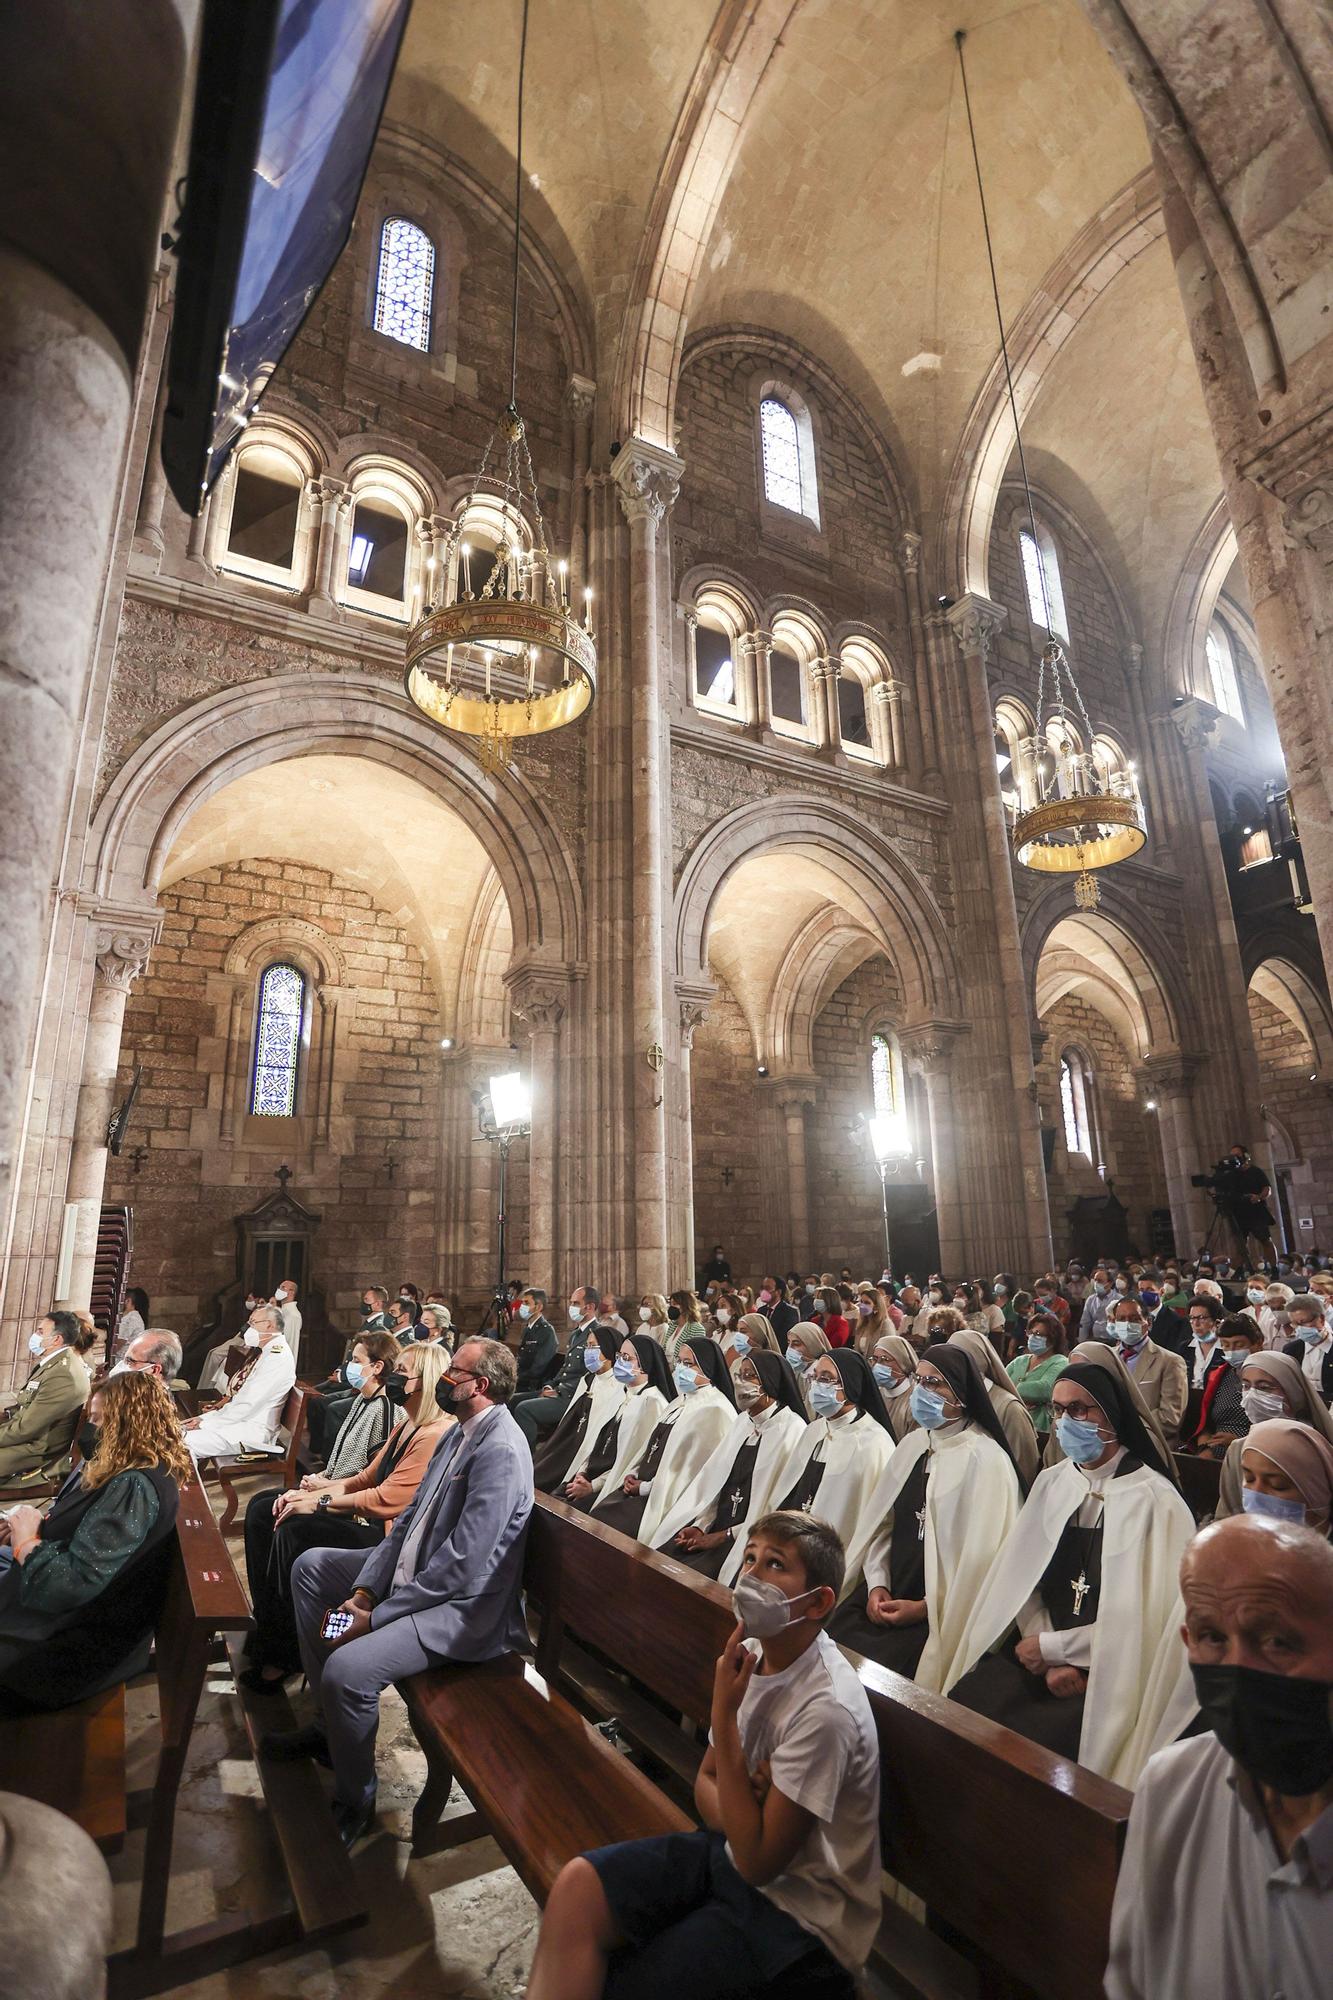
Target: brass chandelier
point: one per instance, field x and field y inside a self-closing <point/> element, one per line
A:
<point x="1075" y="814"/>
<point x="511" y="658"/>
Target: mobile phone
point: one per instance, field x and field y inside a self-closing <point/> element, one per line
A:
<point x="335" y="1624"/>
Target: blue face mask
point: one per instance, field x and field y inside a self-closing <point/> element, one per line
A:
<point x="1237" y="1356"/>
<point x="795" y="1359"/>
<point x="928" y="1407"/>
<point x="1037" y="1343"/>
<point x="1080" y="1440"/>
<point x="1277" y="1509"/>
<point x="686" y="1379"/>
<point x="525" y="1312"/>
<point x="592" y="1359"/>
<point x="824" y="1398"/>
<point x="884" y="1375"/>
<point x="740" y="1344"/>
<point x="1309" y="1334"/>
<point x="624" y="1371"/>
<point x="356" y="1375"/>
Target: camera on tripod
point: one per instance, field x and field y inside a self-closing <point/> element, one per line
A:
<point x="1221" y="1180"/>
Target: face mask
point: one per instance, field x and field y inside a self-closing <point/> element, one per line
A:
<point x="367" y="1312"/>
<point x="1237" y="1356"/>
<point x="747" y="1393"/>
<point x="1272" y="1504"/>
<point x="525" y="1312"/>
<point x="673" y="1312"/>
<point x="1261" y="1405"/>
<point x="722" y="1316"/>
<point x="809" y="1292"/>
<point x="121" y="1368"/>
<point x="936" y="1296"/>
<point x="1131" y="1333"/>
<point x="645" y="1313"/>
<point x="1151" y="1300"/>
<point x="685" y="1378"/>
<point x="741" y="1344"/>
<point x="1309" y="1334"/>
<point x="960" y="1301"/>
<point x="1276" y="1726"/>
<point x="928" y="1407"/>
<point x="1101" y="1290"/>
<point x="624" y="1371"/>
<point x="253" y="1337"/>
<point x="1037" y="1343"/>
<point x="1080" y="1440"/>
<point x="592" y="1359"/>
<point x="36" y="1345"/>
<point x="762" y="1608"/>
<point x="1206" y="1336"/>
<point x="407" y="1304"/>
<point x="356" y="1375"/>
<point x="575" y="1315"/>
<point x="765" y="1298"/>
<point x="795" y="1359"/>
<point x="865" y="1308"/>
<point x="250" y="1305"/>
<point x="884" y="1375"/>
<point x="824" y="1398"/>
<point x="1255" y="1296"/>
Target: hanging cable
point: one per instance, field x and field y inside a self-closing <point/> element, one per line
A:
<point x="518" y="211"/>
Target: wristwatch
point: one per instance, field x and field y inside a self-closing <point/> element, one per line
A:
<point x="324" y="1500"/>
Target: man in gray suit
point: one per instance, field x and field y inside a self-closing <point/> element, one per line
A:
<point x="445" y="1585"/>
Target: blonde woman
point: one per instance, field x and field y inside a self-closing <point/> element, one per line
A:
<point x="81" y="1598"/>
<point x="654" y="1319"/>
<point x="872" y="1319"/>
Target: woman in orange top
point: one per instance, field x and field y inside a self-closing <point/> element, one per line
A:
<point x="343" y="1514"/>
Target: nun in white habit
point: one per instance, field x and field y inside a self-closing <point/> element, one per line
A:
<point x="840" y="1460"/>
<point x="706" y="1527"/>
<point x="1071" y="1627"/>
<point x="686" y="1436"/>
<point x="942" y="1509"/>
<point x="641" y="1369"/>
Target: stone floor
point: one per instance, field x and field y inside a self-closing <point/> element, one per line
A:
<point x="459" y="1924"/>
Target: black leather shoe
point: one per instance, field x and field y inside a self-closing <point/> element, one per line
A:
<point x="288" y="1746"/>
<point x="258" y="1682"/>
<point x="353" y="1823"/>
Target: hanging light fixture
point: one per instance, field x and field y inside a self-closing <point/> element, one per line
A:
<point x="1074" y="814"/>
<point x="514" y="658"/>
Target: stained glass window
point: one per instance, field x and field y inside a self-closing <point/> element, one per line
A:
<point x="277" y="1042"/>
<point x="405" y="283"/>
<point x="1222" y="671"/>
<point x="782" y="455"/>
<point x="1041" y="575"/>
<point x="886" y="1076"/>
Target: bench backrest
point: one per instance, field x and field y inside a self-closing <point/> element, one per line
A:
<point x="293" y="1420"/>
<point x="975" y="1820"/>
<point x="204" y="1595"/>
<point x="1200" y="1482"/>
<point x="656" y="1619"/>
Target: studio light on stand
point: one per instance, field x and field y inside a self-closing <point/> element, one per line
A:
<point x="505" y="1114"/>
<point x="891" y="1144"/>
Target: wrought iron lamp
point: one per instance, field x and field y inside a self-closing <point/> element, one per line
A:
<point x="514" y="658"/>
<point x="1074" y="814"/>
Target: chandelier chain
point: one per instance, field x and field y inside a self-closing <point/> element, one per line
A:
<point x="518" y="209"/>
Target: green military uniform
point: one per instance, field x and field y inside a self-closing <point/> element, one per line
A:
<point x="36" y="1435"/>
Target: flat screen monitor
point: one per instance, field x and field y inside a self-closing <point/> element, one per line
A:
<point x="287" y="105"/>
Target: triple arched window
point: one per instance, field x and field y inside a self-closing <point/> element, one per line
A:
<point x="279" y="1032"/>
<point x="405" y="283"/>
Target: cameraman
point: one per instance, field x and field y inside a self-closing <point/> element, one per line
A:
<point x="1243" y="1192"/>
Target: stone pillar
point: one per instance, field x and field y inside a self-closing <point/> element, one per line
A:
<point x="693" y="1003"/>
<point x="122" y="944"/>
<point x="754" y="650"/>
<point x="928" y="1050"/>
<point x="435" y="533"/>
<point x="90" y="103"/>
<point x="148" y="538"/>
<point x="793" y="1095"/>
<point x="1169" y="1080"/>
<point x="885" y="700"/>
<point x="539" y="997"/>
<point x="924" y="752"/>
<point x="581" y="400"/>
<point x="827" y="718"/>
<point x="1007" y="1202"/>
<point x="330" y="501"/>
<point x="648" y="480"/>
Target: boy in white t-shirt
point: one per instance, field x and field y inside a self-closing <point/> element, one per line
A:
<point x="780" y="1892"/>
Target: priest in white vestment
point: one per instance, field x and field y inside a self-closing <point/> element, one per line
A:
<point x="1069" y="1641"/>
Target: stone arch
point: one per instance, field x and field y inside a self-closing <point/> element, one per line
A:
<point x="1284" y="986"/>
<point x="242" y="729"/>
<point x="827" y="949"/>
<point x="881" y="892"/>
<point x="1121" y="948"/>
<point x="316" y="955"/>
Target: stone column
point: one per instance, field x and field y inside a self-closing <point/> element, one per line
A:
<point x="928" y="1050"/>
<point x="90" y="102"/>
<point x="539" y="997"/>
<point x="793" y="1094"/>
<point x="435" y="533"/>
<point x="1169" y="1080"/>
<point x="122" y="945"/>
<point x="648" y="480"/>
<point x="754" y="651"/>
<point x="581" y="400"/>
<point x="827" y="718"/>
<point x="886" y="698"/>
<point x="330" y="500"/>
<point x="148" y="538"/>
<point x="922" y="753"/>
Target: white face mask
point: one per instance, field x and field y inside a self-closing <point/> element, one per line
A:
<point x="645" y="1312"/>
<point x="253" y="1337"/>
<point x="762" y="1608"/>
<point x="722" y="1316"/>
<point x="36" y="1345"/>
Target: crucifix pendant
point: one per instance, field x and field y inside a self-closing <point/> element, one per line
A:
<point x="921" y="1523"/>
<point x="1080" y="1589"/>
<point x="737" y="1501"/>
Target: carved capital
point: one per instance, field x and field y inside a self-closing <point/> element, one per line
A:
<point x="1296" y="467"/>
<point x="1134" y="657"/>
<point x="887" y="693"/>
<point x="1169" y="1075"/>
<point x="122" y="956"/>
<point x="928" y="1046"/>
<point x="647" y="480"/>
<point x="1195" y="722"/>
<point x="1310" y="519"/>
<point x="755" y="644"/>
<point x="693" y="1002"/>
<point x="975" y="621"/>
<point x="580" y="397"/>
<point x="794" y="1093"/>
<point x="909" y="552"/>
<point x="329" y="493"/>
<point x="539" y="996"/>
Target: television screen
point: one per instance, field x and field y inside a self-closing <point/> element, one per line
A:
<point x="287" y="104"/>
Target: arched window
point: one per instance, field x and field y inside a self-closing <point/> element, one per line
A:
<point x="405" y="283"/>
<point x="782" y="455"/>
<point x="377" y="549"/>
<point x="1221" y="657"/>
<point x="714" y="665"/>
<point x="1041" y="577"/>
<point x="886" y="1075"/>
<point x="265" y="512"/>
<point x="1076" y="1103"/>
<point x="279" y="1020"/>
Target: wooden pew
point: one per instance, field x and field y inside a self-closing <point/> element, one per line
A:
<point x="286" y="1460"/>
<point x="966" y="1803"/>
<point x="1200" y="1482"/>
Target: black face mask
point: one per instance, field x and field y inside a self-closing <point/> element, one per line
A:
<point x="1276" y="1726"/>
<point x="673" y="1312"/>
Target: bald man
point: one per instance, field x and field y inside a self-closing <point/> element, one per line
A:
<point x="1226" y="1888"/>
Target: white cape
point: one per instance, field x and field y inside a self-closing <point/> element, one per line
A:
<point x="699" y="1423"/>
<point x="779" y="1432"/>
<point x="605" y="1393"/>
<point x="855" y="1451"/>
<point x="1131" y="1691"/>
<point x="639" y="1415"/>
<point x="972" y="1502"/>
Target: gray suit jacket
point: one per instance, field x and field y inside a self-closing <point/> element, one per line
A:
<point x="465" y="1595"/>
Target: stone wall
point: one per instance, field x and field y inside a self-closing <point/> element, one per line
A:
<point x="1300" y="1123"/>
<point x="1129" y="1144"/>
<point x="740" y="1185"/>
<point x="847" y="1225"/>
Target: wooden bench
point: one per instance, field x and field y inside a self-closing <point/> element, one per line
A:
<point x="1200" y="1482"/>
<point x="287" y="1460"/>
<point x="628" y="1633"/>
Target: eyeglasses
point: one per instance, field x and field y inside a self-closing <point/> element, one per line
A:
<point x="1082" y="1413"/>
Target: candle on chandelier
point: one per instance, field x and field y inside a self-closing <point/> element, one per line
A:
<point x="532" y="670"/>
<point x="488" y="676"/>
<point x="564" y="587"/>
<point x="466" y="553"/>
<point x="587" y="609"/>
<point x="449" y="665"/>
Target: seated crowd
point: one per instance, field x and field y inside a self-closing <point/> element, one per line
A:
<point x="976" y="1484"/>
